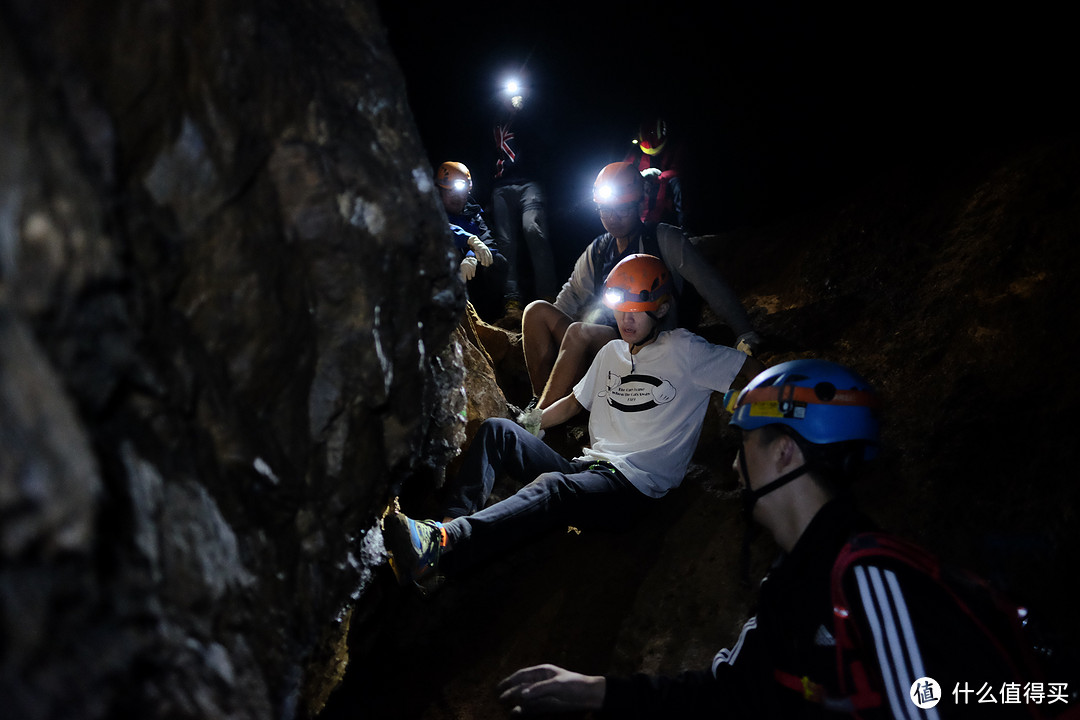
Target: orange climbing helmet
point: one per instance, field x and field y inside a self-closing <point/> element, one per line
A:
<point x="453" y="176"/>
<point x="652" y="135"/>
<point x="617" y="184"/>
<point x="638" y="283"/>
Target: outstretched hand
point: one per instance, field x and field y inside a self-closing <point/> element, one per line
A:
<point x="548" y="689"/>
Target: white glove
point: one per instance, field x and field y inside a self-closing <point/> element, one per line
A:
<point x="468" y="269"/>
<point x="530" y="420"/>
<point x="748" y="342"/>
<point x="483" y="252"/>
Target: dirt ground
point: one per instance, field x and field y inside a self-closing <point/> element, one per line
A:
<point x="950" y="287"/>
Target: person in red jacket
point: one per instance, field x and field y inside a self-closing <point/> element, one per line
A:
<point x="660" y="158"/>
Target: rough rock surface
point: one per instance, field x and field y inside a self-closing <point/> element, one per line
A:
<point x="226" y="300"/>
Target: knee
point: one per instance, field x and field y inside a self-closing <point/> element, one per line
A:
<point x="578" y="337"/>
<point x="587" y="337"/>
<point x="540" y="314"/>
<point x="549" y="484"/>
<point x="534" y="230"/>
<point x="576" y="334"/>
<point x="490" y="429"/>
<point x="538" y="308"/>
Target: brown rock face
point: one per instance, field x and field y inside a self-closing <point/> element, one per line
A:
<point x="225" y="304"/>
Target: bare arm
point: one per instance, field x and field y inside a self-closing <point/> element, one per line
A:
<point x="750" y="369"/>
<point x="560" y="411"/>
<point x="548" y="689"/>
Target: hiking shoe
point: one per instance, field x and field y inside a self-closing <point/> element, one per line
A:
<point x="414" y="548"/>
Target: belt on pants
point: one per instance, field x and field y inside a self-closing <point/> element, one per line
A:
<point x="605" y="466"/>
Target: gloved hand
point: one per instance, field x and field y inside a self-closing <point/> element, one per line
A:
<point x="530" y="420"/>
<point x="748" y="342"/>
<point x="483" y="252"/>
<point x="468" y="269"/>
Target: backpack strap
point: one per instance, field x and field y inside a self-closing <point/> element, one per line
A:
<point x="598" y="252"/>
<point x="854" y="679"/>
<point x="810" y="690"/>
<point x="850" y="668"/>
<point x="816" y="693"/>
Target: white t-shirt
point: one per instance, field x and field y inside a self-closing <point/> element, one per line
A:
<point x="647" y="409"/>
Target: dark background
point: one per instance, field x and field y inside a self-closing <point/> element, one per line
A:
<point x="781" y="104"/>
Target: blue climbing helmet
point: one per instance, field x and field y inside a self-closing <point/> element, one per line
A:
<point x="824" y="402"/>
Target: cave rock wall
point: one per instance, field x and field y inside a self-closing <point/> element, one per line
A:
<point x="226" y="311"/>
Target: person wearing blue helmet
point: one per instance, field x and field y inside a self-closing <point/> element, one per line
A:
<point x="807" y="426"/>
<point x="825" y="409"/>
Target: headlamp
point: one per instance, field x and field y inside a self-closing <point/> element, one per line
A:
<point x="604" y="192"/>
<point x="731" y="399"/>
<point x="460" y="185"/>
<point x="614" y="295"/>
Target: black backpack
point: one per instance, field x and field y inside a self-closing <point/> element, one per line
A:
<point x="1007" y="626"/>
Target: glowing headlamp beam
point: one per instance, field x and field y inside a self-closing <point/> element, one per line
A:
<point x="614" y="295"/>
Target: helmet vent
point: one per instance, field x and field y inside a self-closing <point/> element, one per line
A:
<point x="825" y="391"/>
<point x="783" y="379"/>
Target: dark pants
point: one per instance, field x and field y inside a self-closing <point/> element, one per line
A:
<point x="564" y="492"/>
<point x="487" y="290"/>
<point x="518" y="218"/>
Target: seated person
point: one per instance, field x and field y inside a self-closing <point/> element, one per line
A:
<point x="561" y="338"/>
<point x="483" y="267"/>
<point x="647" y="393"/>
<point x="807" y="425"/>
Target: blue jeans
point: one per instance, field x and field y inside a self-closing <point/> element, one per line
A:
<point x="564" y="492"/>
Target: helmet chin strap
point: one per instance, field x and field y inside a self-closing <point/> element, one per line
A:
<point x="648" y="338"/>
<point x="651" y="336"/>
<point x="750" y="498"/>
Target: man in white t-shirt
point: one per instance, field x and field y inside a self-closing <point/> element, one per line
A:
<point x="647" y="394"/>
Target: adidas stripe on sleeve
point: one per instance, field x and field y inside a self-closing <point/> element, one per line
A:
<point x="895" y="644"/>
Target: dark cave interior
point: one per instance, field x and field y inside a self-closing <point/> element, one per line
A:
<point x="229" y="329"/>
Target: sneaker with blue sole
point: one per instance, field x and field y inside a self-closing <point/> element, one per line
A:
<point x="414" y="547"/>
